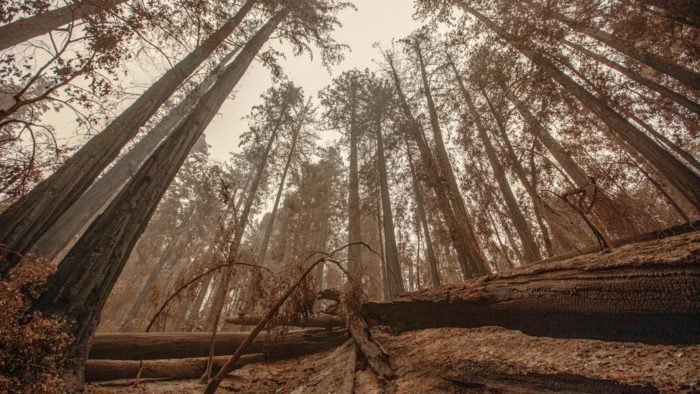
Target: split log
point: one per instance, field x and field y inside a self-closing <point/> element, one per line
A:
<point x="647" y="292"/>
<point x="189" y="368"/>
<point x="161" y="346"/>
<point x="316" y="321"/>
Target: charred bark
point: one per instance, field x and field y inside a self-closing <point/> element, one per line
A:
<point x="645" y="292"/>
<point x="164" y="346"/>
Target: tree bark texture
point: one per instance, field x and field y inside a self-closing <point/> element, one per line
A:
<point x="23" y="223"/>
<point x="645" y="292"/>
<point x="322" y="321"/>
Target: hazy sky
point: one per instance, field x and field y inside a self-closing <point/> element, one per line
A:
<point x="374" y="21"/>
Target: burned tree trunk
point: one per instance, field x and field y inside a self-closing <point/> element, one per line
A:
<point x="69" y="227"/>
<point x="645" y="292"/>
<point x="189" y="368"/>
<point x="164" y="346"/>
<point x="23" y="223"/>
<point x="394" y="280"/>
<point x="420" y="205"/>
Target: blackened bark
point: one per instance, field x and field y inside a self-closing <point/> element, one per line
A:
<point x="23" y="223"/>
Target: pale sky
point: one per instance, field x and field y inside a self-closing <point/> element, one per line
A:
<point x="374" y="21"/>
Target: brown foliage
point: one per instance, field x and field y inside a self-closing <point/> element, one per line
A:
<point x="30" y="345"/>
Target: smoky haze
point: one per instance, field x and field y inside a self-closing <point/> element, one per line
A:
<point x="373" y="21"/>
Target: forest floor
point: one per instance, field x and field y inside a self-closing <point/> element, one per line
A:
<point x="483" y="360"/>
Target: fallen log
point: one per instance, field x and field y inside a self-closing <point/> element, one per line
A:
<point x="189" y="368"/>
<point x="616" y="243"/>
<point x="161" y="346"/>
<point x="315" y="322"/>
<point x="647" y="292"/>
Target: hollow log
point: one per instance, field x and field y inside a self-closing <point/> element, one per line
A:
<point x="647" y="292"/>
<point x="189" y="368"/>
<point x="315" y="322"/>
<point x="161" y="346"/>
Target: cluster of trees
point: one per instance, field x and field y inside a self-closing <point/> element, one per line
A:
<point x="92" y="259"/>
<point x="498" y="135"/>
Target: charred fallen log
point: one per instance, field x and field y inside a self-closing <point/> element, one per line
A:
<point x="316" y="322"/>
<point x="647" y="292"/>
<point x="616" y="243"/>
<point x="160" y="346"/>
<point x="188" y="368"/>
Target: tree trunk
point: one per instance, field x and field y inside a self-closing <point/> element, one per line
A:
<point x="429" y="251"/>
<point x="531" y="252"/>
<point x="321" y="321"/>
<point x="471" y="260"/>
<point x="27" y="28"/>
<point x="86" y="276"/>
<point x="290" y="157"/>
<point x="639" y="293"/>
<point x="675" y="71"/>
<point x="443" y="159"/>
<point x="540" y="207"/>
<point x="394" y="277"/>
<point x="232" y="255"/>
<point x="680" y="176"/>
<point x="23" y="223"/>
<point x="189" y="368"/>
<point x="658" y="88"/>
<point x="178" y="345"/>
<point x="354" y="211"/>
<point x="62" y="235"/>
